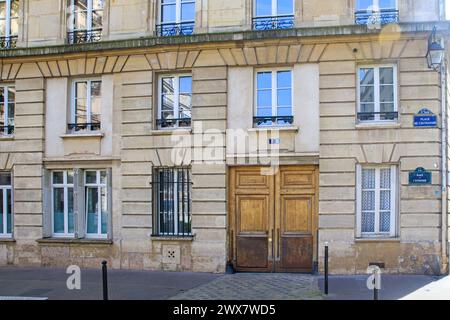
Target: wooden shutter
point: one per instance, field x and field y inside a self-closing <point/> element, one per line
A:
<point x="79" y="203"/>
<point x="47" y="204"/>
<point x="109" y="192"/>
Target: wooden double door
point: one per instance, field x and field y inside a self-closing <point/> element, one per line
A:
<point x="273" y="218"/>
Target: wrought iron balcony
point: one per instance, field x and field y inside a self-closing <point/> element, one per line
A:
<point x="273" y="121"/>
<point x="273" y="23"/>
<point x="175" y="29"/>
<point x="378" y="116"/>
<point x="8" y="42"/>
<point x="173" y="123"/>
<point x="76" y="127"/>
<point x="6" y="130"/>
<point x="369" y="17"/>
<point x="84" y="36"/>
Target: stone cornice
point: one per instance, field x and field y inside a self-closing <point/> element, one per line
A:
<point x="200" y="40"/>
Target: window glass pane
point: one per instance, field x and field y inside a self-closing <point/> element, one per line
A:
<point x="186" y="84"/>
<point x="364" y="4"/>
<point x="58" y="177"/>
<point x="11" y="111"/>
<point x="385" y="221"/>
<point x="285" y="7"/>
<point x="91" y="207"/>
<point x="284" y="97"/>
<point x="385" y="200"/>
<point x="366" y="76"/>
<point x="103" y="177"/>
<point x="388" y="4"/>
<point x="3" y="27"/>
<point x="2" y="231"/>
<point x="264" y="80"/>
<point x="80" y="20"/>
<point x="98" y="4"/>
<point x="368" y="178"/>
<point x="284" y="112"/>
<point x="263" y="8"/>
<point x="264" y="112"/>
<point x="14" y="8"/>
<point x="97" y="19"/>
<point x="385" y="178"/>
<point x="367" y="94"/>
<point x="8" y="212"/>
<point x="168" y="85"/>
<point x="168" y="105"/>
<point x="11" y="94"/>
<point x="386" y="93"/>
<point x="264" y="98"/>
<point x="80" y="102"/>
<point x="69" y="177"/>
<point x="368" y="222"/>
<point x="185" y="106"/>
<point x="367" y="108"/>
<point x="104" y="216"/>
<point x="2" y="10"/>
<point x="70" y="210"/>
<point x="387" y="107"/>
<point x="91" y="177"/>
<point x="5" y="179"/>
<point x="58" y="210"/>
<point x="368" y="200"/>
<point x="284" y="79"/>
<point x="188" y="12"/>
<point x="14" y="27"/>
<point x="386" y="75"/>
<point x="168" y="13"/>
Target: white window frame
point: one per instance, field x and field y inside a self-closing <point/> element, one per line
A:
<point x="376" y="6"/>
<point x="377" y="88"/>
<point x="274" y="10"/>
<point x="177" y="13"/>
<point x="176" y="102"/>
<point x="8" y="19"/>
<point x="5" y="89"/>
<point x="274" y="90"/>
<point x="89" y="14"/>
<point x="73" y="115"/>
<point x="65" y="186"/>
<point x="394" y="202"/>
<point x="4" y="189"/>
<point x="99" y="186"/>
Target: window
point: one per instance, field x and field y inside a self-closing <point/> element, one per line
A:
<point x="377" y="93"/>
<point x="9" y="23"/>
<point x="96" y="203"/>
<point x="62" y="204"/>
<point x="172" y="199"/>
<point x="175" y="102"/>
<point x="376" y="12"/>
<point x="376" y="201"/>
<point x="85" y="21"/>
<point x="77" y="203"/>
<point x="7" y="107"/>
<point x="177" y="18"/>
<point x="274" y="98"/>
<point x="5" y="205"/>
<point x="273" y="14"/>
<point x="86" y="106"/>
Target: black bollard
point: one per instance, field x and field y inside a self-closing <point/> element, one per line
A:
<point x="326" y="268"/>
<point x="105" y="280"/>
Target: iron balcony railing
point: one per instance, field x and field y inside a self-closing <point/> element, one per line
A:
<point x="381" y="17"/>
<point x="172" y="202"/>
<point x="8" y="42"/>
<point x="378" y="116"/>
<point x="76" y="127"/>
<point x="6" y="130"/>
<point x="84" y="36"/>
<point x="174" y="123"/>
<point x="175" y="29"/>
<point x="273" y="23"/>
<point x="273" y="121"/>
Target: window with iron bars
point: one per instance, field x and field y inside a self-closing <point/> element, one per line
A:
<point x="85" y="21"/>
<point x="9" y="23"/>
<point x="172" y="202"/>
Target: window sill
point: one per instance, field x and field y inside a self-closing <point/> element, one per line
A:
<point x="82" y="135"/>
<point x="378" y="125"/>
<point x="168" y="132"/>
<point x="268" y="129"/>
<point x="173" y="238"/>
<point x="6" y="138"/>
<point x="375" y="239"/>
<point x="74" y="241"/>
<point x="7" y="240"/>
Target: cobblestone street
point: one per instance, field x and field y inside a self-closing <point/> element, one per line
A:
<point x="250" y="286"/>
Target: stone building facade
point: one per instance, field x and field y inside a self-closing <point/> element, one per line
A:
<point x="142" y="132"/>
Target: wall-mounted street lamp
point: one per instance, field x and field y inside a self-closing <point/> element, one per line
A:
<point x="435" y="53"/>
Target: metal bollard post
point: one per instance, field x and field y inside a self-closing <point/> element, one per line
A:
<point x="326" y="268"/>
<point x="105" y="280"/>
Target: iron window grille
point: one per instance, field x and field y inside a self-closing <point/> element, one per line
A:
<point x="273" y="121"/>
<point x="273" y="23"/>
<point x="8" y="42"/>
<point x="376" y="17"/>
<point x="175" y="29"/>
<point x="172" y="202"/>
<point x="382" y="116"/>
<point x="76" y="127"/>
<point x="173" y="123"/>
<point x="84" y="36"/>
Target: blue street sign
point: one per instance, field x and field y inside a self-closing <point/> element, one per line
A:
<point x="420" y="177"/>
<point x="425" y="118"/>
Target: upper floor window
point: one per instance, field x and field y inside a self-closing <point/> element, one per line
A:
<point x="176" y="17"/>
<point x="7" y="106"/>
<point x="86" y="106"/>
<point x="373" y="12"/>
<point x="273" y="14"/>
<point x="9" y="23"/>
<point x="376" y="201"/>
<point x="274" y="98"/>
<point x="377" y="92"/>
<point x="172" y="199"/>
<point x="175" y="101"/>
<point x="5" y="205"/>
<point x="85" y="21"/>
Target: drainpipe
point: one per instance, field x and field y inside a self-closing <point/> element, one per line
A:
<point x="444" y="230"/>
